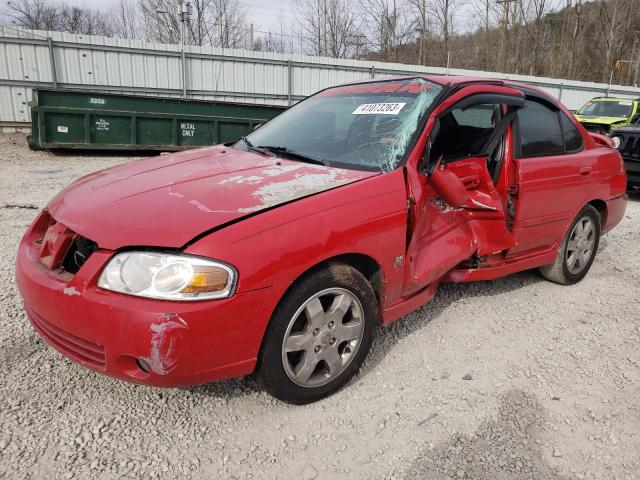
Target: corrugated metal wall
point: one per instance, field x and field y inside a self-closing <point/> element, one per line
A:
<point x="38" y="58"/>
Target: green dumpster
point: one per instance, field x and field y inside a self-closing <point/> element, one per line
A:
<point x="93" y="120"/>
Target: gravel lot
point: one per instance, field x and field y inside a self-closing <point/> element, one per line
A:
<point x="512" y="379"/>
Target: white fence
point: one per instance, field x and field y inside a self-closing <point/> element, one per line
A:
<point x="53" y="59"/>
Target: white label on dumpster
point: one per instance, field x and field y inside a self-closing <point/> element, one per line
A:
<point x="188" y="129"/>
<point x="63" y="129"/>
<point x="96" y="101"/>
<point x="102" y="125"/>
<point x="379" y="109"/>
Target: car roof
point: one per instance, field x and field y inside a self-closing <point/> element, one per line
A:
<point x="612" y="99"/>
<point x="441" y="79"/>
<point x="452" y="80"/>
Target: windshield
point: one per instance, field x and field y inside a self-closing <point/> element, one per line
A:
<point x="607" y="108"/>
<point x="364" y="126"/>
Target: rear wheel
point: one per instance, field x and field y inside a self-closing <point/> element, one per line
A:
<point x="577" y="250"/>
<point x="319" y="335"/>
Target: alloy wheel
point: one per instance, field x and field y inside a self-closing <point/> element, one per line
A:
<point x="323" y="337"/>
<point x="580" y="245"/>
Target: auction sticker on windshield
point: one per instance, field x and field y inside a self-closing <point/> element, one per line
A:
<point x="379" y="108"/>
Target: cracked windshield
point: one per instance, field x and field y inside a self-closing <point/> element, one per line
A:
<point x="366" y="126"/>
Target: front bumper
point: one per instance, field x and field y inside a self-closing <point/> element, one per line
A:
<point x="155" y="342"/>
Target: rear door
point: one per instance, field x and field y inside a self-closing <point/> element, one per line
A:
<point x="554" y="175"/>
<point x="456" y="211"/>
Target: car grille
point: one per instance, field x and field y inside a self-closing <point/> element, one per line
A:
<point x="83" y="351"/>
<point x="596" y="128"/>
<point x="630" y="146"/>
<point x="62" y="248"/>
<point x="78" y="253"/>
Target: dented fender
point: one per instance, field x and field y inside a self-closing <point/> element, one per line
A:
<point x="369" y="218"/>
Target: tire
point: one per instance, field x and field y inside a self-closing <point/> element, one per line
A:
<point x="570" y="266"/>
<point x="319" y="335"/>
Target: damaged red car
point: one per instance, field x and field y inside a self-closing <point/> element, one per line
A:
<point x="279" y="254"/>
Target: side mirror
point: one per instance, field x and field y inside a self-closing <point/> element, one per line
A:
<point x="448" y="186"/>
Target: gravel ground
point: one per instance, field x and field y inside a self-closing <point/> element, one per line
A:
<point x="517" y="378"/>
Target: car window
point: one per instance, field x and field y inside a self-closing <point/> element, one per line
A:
<point x="463" y="133"/>
<point x="607" y="108"/>
<point x="480" y="116"/>
<point x="539" y="131"/>
<point x="570" y="134"/>
<point x="369" y="126"/>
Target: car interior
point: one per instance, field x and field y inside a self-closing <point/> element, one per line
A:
<point x="465" y="133"/>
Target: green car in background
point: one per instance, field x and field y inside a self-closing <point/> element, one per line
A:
<point x="604" y="114"/>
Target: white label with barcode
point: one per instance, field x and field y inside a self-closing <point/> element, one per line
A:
<point x="379" y="109"/>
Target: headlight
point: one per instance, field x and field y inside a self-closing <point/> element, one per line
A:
<point x="616" y="141"/>
<point x="168" y="277"/>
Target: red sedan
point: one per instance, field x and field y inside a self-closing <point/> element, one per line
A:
<point x="280" y="254"/>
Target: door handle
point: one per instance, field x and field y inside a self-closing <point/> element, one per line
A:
<point x="585" y="170"/>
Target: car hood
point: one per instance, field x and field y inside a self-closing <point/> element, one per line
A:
<point x="600" y="120"/>
<point x="167" y="201"/>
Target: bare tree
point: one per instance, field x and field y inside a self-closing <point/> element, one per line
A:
<point x="388" y="26"/>
<point x="284" y="39"/>
<point x="161" y="20"/>
<point x="486" y="15"/>
<point x="422" y="26"/>
<point x="228" y="26"/>
<point x="212" y="22"/>
<point x="84" y="20"/>
<point x="331" y="28"/>
<point x="46" y="15"/>
<point x="444" y="13"/>
<point x="532" y="13"/>
<point x="126" y="21"/>
<point x="34" y="14"/>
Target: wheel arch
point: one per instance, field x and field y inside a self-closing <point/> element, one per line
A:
<point x="365" y="264"/>
<point x="601" y="207"/>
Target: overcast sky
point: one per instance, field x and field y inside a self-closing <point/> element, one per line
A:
<point x="269" y="13"/>
<point x="279" y="16"/>
<point x="264" y="14"/>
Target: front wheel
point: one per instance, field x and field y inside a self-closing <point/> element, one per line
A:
<point x="319" y="335"/>
<point x="577" y="250"/>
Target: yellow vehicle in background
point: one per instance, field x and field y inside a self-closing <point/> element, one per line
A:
<point x="604" y="114"/>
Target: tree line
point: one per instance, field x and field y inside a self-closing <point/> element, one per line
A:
<point x="597" y="40"/>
